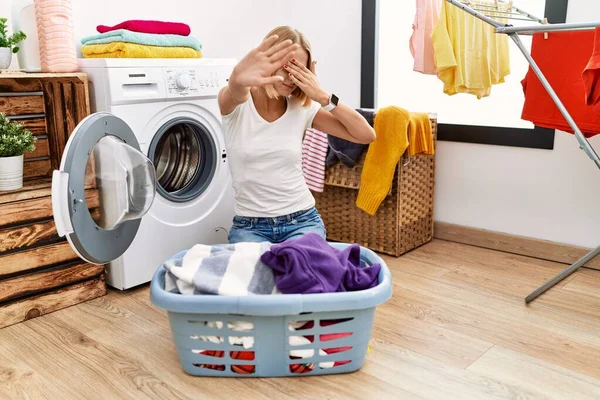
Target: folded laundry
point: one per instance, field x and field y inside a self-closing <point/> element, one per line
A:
<point x="134" y="50"/>
<point x="149" y="39"/>
<point x="149" y="26"/>
<point x="228" y="269"/>
<point x="310" y="265"/>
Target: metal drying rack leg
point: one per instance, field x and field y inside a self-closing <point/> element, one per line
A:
<point x="513" y="33"/>
<point x="583" y="144"/>
<point x="578" y="264"/>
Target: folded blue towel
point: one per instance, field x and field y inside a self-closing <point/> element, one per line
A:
<point x="148" y="39"/>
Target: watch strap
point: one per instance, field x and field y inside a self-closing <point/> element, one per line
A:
<point x="333" y="102"/>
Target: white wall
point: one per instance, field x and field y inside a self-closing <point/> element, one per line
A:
<point x="543" y="194"/>
<point x="550" y="195"/>
<point x="229" y="28"/>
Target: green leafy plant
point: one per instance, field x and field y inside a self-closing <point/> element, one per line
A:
<point x="14" y="139"/>
<point x="10" y="41"/>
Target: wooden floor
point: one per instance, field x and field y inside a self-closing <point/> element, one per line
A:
<point x="456" y="328"/>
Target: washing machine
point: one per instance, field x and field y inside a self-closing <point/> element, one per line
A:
<point x="153" y="160"/>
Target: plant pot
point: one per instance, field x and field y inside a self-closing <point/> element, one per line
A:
<point x="11" y="173"/>
<point x="5" y="57"/>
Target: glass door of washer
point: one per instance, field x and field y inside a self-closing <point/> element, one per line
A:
<point x="104" y="186"/>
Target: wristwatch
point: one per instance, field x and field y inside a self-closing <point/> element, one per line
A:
<point x="333" y="102"/>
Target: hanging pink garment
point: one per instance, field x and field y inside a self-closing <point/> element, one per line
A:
<point x="421" y="46"/>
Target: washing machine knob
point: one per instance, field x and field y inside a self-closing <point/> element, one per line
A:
<point x="183" y="81"/>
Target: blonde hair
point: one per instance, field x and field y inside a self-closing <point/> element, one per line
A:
<point x="297" y="37"/>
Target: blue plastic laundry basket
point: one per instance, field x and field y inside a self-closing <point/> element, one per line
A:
<point x="271" y="323"/>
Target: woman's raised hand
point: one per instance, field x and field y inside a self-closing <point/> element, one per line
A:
<point x="306" y="80"/>
<point x="258" y="66"/>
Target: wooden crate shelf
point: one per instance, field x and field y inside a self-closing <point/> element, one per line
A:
<point x="50" y="105"/>
<point x="39" y="272"/>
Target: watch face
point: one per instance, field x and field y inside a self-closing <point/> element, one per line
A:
<point x="334" y="99"/>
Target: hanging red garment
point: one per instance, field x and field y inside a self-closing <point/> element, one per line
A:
<point x="591" y="74"/>
<point x="562" y="58"/>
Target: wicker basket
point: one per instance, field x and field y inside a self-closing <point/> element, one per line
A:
<point x="404" y="219"/>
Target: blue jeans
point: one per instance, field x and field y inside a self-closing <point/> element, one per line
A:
<point x="276" y="229"/>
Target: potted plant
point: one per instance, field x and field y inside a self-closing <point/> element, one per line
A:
<point x="15" y="140"/>
<point x="8" y="44"/>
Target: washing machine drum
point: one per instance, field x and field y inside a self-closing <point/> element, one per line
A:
<point x="185" y="156"/>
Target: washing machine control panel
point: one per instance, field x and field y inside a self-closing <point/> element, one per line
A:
<point x="183" y="82"/>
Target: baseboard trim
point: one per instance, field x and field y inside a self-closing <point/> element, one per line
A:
<point x="525" y="246"/>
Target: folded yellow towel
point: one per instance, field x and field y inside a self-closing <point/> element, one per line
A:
<point x="134" y="50"/>
<point x="420" y="137"/>
<point x="391" y="127"/>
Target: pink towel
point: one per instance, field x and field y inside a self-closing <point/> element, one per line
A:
<point x="314" y="153"/>
<point x="144" y="26"/>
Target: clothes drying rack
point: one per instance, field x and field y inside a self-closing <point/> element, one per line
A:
<point x="487" y="11"/>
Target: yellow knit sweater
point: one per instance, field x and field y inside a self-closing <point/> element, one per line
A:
<point x="391" y="127"/>
<point x="420" y="137"/>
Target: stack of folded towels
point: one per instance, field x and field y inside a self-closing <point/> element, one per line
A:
<point x="142" y="39"/>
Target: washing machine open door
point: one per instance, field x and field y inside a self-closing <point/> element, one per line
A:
<point x="103" y="188"/>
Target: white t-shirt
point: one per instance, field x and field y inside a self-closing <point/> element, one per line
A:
<point x="265" y="159"/>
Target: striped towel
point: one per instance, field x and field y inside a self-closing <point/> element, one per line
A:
<point x="228" y="270"/>
<point x="314" y="153"/>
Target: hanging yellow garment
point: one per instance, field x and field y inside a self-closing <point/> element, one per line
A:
<point x="470" y="57"/>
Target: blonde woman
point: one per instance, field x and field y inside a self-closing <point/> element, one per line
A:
<point x="272" y="97"/>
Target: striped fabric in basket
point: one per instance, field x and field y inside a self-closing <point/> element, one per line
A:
<point x="314" y="153"/>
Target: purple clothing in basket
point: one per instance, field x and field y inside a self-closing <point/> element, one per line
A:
<point x="310" y="265"/>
